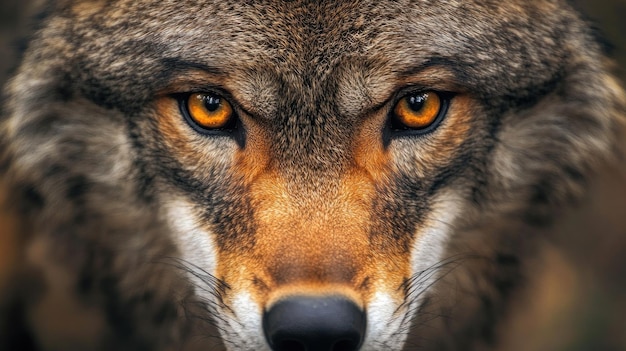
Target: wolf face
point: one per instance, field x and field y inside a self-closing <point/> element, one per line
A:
<point x="295" y="175"/>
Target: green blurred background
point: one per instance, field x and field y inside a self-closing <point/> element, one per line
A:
<point x="609" y="15"/>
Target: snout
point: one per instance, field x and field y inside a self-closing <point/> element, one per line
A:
<point x="306" y="323"/>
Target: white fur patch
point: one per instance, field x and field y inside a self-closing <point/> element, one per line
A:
<point x="428" y="254"/>
<point x="429" y="246"/>
<point x="388" y="325"/>
<point x="242" y="331"/>
<point x="382" y="324"/>
<point x="247" y="328"/>
<point x="196" y="245"/>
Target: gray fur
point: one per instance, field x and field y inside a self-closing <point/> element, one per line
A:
<point x="88" y="172"/>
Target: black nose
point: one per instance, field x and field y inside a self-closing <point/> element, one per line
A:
<point x="303" y="323"/>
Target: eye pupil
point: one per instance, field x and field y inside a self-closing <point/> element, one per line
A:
<point x="212" y="103"/>
<point x="416" y="102"/>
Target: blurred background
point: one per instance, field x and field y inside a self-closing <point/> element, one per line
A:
<point x="610" y="18"/>
<point x="609" y="15"/>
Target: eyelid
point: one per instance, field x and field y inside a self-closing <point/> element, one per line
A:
<point x="204" y="89"/>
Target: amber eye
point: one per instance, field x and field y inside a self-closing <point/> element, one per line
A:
<point x="418" y="111"/>
<point x="208" y="111"/>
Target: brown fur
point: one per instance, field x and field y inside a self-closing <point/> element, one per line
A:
<point x="313" y="193"/>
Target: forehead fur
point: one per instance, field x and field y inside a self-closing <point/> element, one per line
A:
<point x="302" y="44"/>
<point x="312" y="75"/>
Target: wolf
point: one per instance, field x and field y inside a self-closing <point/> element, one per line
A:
<point x="299" y="175"/>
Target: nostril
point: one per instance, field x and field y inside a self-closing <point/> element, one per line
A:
<point x="303" y="323"/>
<point x="290" y="345"/>
<point x="345" y="345"/>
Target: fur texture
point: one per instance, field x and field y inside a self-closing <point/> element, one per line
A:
<point x="128" y="229"/>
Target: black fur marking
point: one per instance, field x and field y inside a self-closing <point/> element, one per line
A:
<point x="400" y="212"/>
<point x="55" y="170"/>
<point x="77" y="186"/>
<point x="528" y="96"/>
<point x="455" y="170"/>
<point x="117" y="314"/>
<point x="575" y="174"/>
<point x="42" y="126"/>
<point x="143" y="178"/>
<point x="98" y="91"/>
<point x="508" y="273"/>
<point x="63" y="91"/>
<point x="33" y="197"/>
<point x="227" y="208"/>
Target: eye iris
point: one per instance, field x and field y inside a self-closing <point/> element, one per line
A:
<point x="209" y="111"/>
<point x="418" y="110"/>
